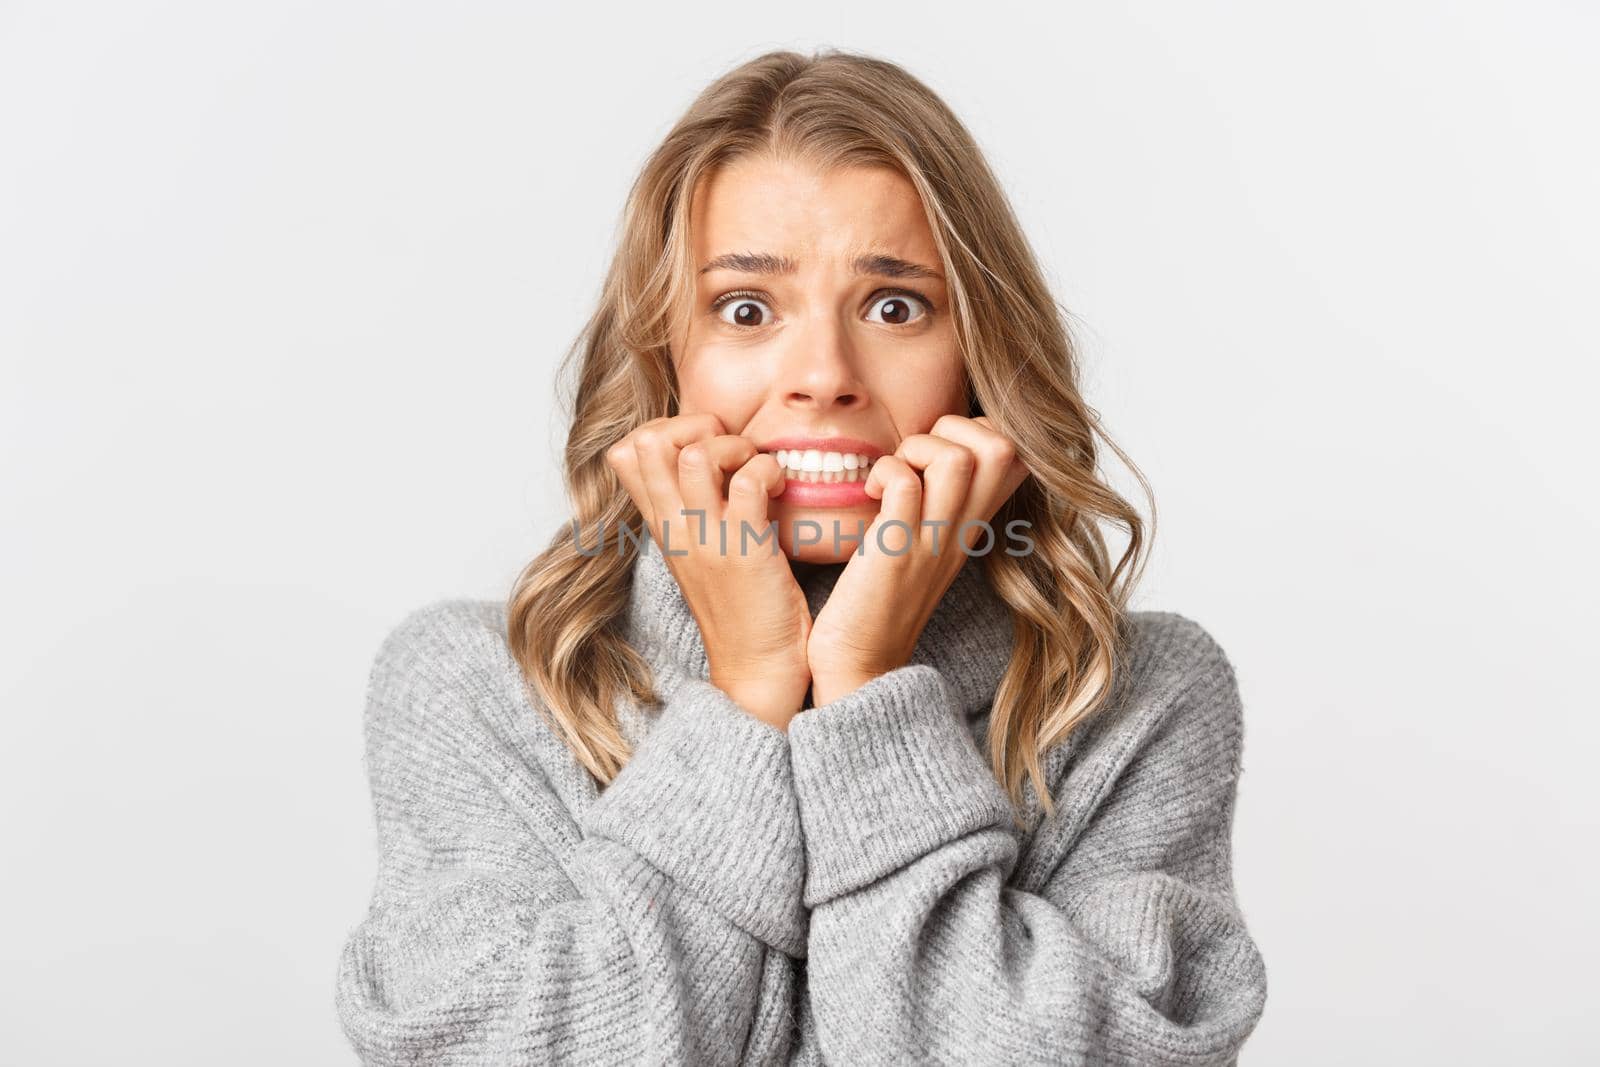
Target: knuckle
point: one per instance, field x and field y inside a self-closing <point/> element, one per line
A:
<point x="903" y="478"/>
<point x="960" y="460"/>
<point x="694" y="456"/>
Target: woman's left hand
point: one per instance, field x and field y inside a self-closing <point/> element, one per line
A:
<point x="884" y="597"/>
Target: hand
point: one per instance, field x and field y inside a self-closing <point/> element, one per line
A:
<point x="753" y="616"/>
<point x="882" y="600"/>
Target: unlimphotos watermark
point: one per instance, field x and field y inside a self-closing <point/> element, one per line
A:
<point x="809" y="532"/>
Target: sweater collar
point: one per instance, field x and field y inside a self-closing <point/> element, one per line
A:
<point x="968" y="638"/>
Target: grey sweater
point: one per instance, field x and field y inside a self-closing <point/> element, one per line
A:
<point x="853" y="892"/>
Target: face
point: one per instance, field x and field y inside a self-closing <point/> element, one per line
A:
<point x="821" y="332"/>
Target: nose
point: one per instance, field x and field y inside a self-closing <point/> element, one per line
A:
<point x="819" y="370"/>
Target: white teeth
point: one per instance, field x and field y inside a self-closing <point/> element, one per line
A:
<point x="815" y="465"/>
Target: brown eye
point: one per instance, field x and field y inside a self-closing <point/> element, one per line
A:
<point x="900" y="309"/>
<point x="743" y="311"/>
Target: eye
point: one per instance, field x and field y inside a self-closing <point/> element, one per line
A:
<point x="744" y="307"/>
<point x="900" y="307"/>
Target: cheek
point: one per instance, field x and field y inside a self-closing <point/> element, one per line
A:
<point x="917" y="393"/>
<point x="717" y="382"/>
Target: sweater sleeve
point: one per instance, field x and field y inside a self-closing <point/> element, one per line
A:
<point x="1134" y="950"/>
<point x="662" y="925"/>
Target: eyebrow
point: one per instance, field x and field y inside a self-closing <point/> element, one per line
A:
<point x="871" y="263"/>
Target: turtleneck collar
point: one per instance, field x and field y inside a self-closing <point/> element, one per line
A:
<point x="968" y="637"/>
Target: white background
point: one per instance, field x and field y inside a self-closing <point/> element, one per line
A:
<point x="283" y="286"/>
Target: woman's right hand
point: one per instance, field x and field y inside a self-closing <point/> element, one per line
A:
<point x="753" y="616"/>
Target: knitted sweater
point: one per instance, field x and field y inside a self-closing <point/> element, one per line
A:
<point x="853" y="892"/>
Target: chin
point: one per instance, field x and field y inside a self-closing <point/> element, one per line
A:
<point x="792" y="522"/>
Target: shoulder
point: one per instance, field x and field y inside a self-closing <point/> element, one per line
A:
<point x="450" y="731"/>
<point x="443" y="634"/>
<point x="439" y="660"/>
<point x="1167" y="641"/>
<point x="1152" y="776"/>
<point x="1166" y="649"/>
<point x="1174" y="680"/>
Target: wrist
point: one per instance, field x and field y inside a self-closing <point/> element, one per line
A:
<point x="772" y="705"/>
<point x="827" y="688"/>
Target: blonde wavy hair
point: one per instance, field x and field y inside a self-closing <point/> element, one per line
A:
<point x="836" y="108"/>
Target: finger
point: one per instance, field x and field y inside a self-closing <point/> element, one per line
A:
<point x="947" y="468"/>
<point x="623" y="458"/>
<point x="657" y="444"/>
<point x="999" y="470"/>
<point x="703" y="468"/>
<point x="892" y="481"/>
<point x="1018" y="471"/>
<point x="751" y="489"/>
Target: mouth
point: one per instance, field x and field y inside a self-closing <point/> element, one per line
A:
<point x="824" y="461"/>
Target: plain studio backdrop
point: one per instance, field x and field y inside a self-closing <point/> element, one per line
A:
<point x="282" y="291"/>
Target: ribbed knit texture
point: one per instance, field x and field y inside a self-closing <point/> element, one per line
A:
<point x="853" y="892"/>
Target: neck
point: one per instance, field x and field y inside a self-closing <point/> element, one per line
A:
<point x="968" y="637"/>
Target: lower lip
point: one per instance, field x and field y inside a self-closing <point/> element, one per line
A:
<point x="825" y="494"/>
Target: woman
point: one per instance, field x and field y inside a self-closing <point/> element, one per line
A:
<point x="920" y="788"/>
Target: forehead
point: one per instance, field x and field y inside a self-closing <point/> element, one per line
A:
<point x="788" y="207"/>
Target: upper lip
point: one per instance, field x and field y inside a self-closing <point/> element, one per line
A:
<point x="823" y="444"/>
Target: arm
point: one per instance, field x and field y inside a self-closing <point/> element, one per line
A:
<point x="660" y="928"/>
<point x="1133" y="952"/>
